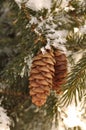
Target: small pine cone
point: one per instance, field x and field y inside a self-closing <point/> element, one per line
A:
<point x="60" y="70"/>
<point x="41" y="77"/>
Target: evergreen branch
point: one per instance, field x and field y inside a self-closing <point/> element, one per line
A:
<point x="55" y="4"/>
<point x="76" y="41"/>
<point x="79" y="6"/>
<point x="25" y="11"/>
<point x="76" y="83"/>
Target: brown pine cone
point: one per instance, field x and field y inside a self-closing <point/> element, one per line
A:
<point x="60" y="71"/>
<point x="41" y="76"/>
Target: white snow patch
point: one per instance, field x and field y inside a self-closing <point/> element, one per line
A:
<point x="38" y="4"/>
<point x="35" y="4"/>
<point x="48" y="47"/>
<point x="77" y="56"/>
<point x="83" y="28"/>
<point x="22" y="72"/>
<point x="76" y="30"/>
<point x="28" y="60"/>
<point x="65" y="3"/>
<point x="75" y="114"/>
<point x="43" y="50"/>
<point x="69" y="8"/>
<point x="19" y="3"/>
<point x="58" y="36"/>
<point x="71" y="116"/>
<point x="33" y="20"/>
<point x="5" y="121"/>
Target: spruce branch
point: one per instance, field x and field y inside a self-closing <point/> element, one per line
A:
<point x="76" y="41"/>
<point x="26" y="12"/>
<point x="76" y="82"/>
<point x="80" y="6"/>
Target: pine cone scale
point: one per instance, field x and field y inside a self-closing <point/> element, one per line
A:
<point x="61" y="67"/>
<point x="60" y="70"/>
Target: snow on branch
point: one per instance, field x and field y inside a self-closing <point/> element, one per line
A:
<point x="38" y="4"/>
<point x="4" y="120"/>
<point x="35" y="4"/>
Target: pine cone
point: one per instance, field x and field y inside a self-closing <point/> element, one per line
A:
<point x="60" y="70"/>
<point x="41" y="76"/>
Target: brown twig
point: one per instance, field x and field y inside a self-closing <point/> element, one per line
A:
<point x="13" y="93"/>
<point x="25" y="11"/>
